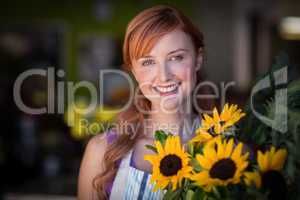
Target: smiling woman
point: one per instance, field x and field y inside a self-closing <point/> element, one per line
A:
<point x="164" y="52"/>
<point x="169" y="70"/>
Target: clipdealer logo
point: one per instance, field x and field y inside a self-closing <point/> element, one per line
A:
<point x="280" y="121"/>
<point x="71" y="88"/>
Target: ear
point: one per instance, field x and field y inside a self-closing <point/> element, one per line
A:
<point x="199" y="59"/>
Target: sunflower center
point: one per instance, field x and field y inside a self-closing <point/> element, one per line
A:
<point x="223" y="169"/>
<point x="170" y="165"/>
<point x="273" y="181"/>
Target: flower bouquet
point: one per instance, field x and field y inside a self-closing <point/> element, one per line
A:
<point x="226" y="161"/>
<point x="215" y="164"/>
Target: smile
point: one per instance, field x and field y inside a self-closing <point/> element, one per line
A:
<point x="167" y="89"/>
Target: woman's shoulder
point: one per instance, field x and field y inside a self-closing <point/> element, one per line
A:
<point x="95" y="147"/>
<point x="97" y="141"/>
<point x="92" y="163"/>
<point x="98" y="144"/>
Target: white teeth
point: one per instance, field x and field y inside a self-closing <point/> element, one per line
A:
<point x="167" y="89"/>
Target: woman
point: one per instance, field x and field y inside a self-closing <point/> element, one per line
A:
<point x="164" y="52"/>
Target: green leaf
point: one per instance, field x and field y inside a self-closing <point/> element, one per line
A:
<point x="199" y="194"/>
<point x="191" y="149"/>
<point x="152" y="148"/>
<point x="195" y="165"/>
<point x="189" y="195"/>
<point x="172" y="195"/>
<point x="161" y="136"/>
<point x="198" y="149"/>
<point x="216" y="192"/>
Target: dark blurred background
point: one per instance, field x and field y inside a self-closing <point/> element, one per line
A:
<point x="40" y="154"/>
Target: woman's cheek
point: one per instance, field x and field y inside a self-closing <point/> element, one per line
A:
<point x="145" y="83"/>
<point x="184" y="72"/>
<point x="187" y="75"/>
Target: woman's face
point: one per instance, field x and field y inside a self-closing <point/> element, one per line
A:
<point x="167" y="75"/>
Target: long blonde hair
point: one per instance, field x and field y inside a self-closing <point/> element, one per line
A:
<point x="142" y="33"/>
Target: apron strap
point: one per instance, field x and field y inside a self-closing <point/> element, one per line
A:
<point x="118" y="187"/>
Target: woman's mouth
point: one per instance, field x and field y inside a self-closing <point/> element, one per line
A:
<point x="167" y="90"/>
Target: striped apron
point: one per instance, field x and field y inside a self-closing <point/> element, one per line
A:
<point x="133" y="184"/>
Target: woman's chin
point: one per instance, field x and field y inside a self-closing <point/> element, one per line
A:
<point x="170" y="105"/>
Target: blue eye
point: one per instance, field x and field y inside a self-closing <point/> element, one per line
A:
<point x="147" y="62"/>
<point x="176" y="58"/>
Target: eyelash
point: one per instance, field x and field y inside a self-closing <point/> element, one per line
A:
<point x="177" y="58"/>
<point x="146" y="62"/>
<point x="150" y="61"/>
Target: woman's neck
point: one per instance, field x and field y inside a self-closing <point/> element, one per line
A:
<point x="177" y="123"/>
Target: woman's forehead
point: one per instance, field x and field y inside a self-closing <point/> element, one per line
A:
<point x="170" y="42"/>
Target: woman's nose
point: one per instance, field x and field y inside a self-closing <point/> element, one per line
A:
<point x="164" y="73"/>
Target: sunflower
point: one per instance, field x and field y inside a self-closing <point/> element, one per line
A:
<point x="269" y="176"/>
<point x="271" y="160"/>
<point x="218" y="123"/>
<point x="221" y="164"/>
<point x="228" y="117"/>
<point x="170" y="164"/>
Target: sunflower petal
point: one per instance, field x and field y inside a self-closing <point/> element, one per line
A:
<point x="177" y="143"/>
<point x="220" y="149"/>
<point x="229" y="148"/>
<point x="265" y="160"/>
<point x="168" y="143"/>
<point x="174" y="183"/>
<point x="209" y="152"/>
<point x="208" y="121"/>
<point x="225" y="114"/>
<point x="201" y="178"/>
<point x="216" y="116"/>
<point x="278" y="159"/>
<point x="159" y="148"/>
<point x="260" y="162"/>
<point x="252" y="178"/>
<point x="237" y="151"/>
<point x="205" y="163"/>
<point x="150" y="158"/>
<point x="202" y="137"/>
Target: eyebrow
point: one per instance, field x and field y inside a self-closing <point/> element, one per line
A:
<point x="171" y="52"/>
